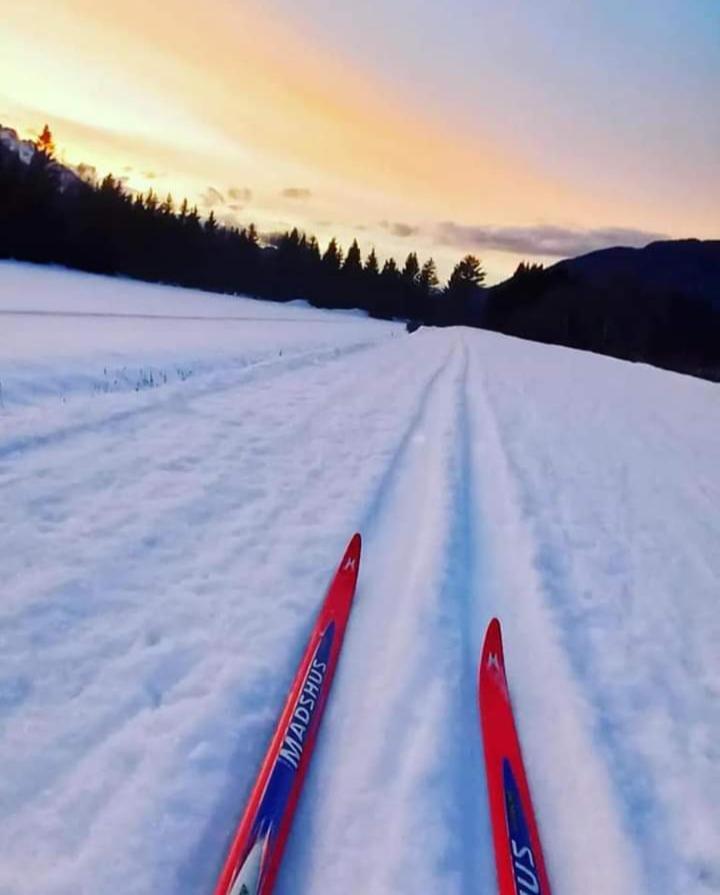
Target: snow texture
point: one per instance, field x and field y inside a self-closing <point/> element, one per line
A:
<point x="179" y="474"/>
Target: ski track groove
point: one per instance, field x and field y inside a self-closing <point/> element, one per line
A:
<point x="465" y="584"/>
<point x="186" y="455"/>
<point x="111" y="568"/>
<point x="219" y="831"/>
<point x="181" y="394"/>
<point x="522" y="597"/>
<point x="439" y="664"/>
<point x="317" y="821"/>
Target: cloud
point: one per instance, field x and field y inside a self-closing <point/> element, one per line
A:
<point x="212" y="198"/>
<point x="240" y="193"/>
<point x="295" y="192"/>
<point x="544" y="239"/>
<point x="399" y="229"/>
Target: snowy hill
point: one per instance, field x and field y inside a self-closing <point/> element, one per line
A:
<point x="659" y="304"/>
<point x="178" y="475"/>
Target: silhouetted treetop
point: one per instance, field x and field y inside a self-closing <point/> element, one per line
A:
<point x="45" y="142"/>
<point x="411" y="270"/>
<point x="468" y="272"/>
<point x="428" y="277"/>
<point x="333" y="257"/>
<point x="371" y="264"/>
<point x="353" y="262"/>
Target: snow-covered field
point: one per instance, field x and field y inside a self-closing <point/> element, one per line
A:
<point x="178" y="476"/>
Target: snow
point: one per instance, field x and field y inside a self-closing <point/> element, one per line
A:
<point x="179" y="474"/>
<point x="10" y="140"/>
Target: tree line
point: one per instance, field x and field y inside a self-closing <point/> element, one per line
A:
<point x="49" y="215"/>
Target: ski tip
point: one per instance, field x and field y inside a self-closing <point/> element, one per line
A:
<point x="494" y="630"/>
<point x="351" y="559"/>
<point x="492" y="651"/>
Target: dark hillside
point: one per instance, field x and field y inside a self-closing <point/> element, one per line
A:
<point x="659" y="304"/>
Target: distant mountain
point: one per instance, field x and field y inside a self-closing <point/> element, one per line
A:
<point x="659" y="304"/>
<point x="691" y="266"/>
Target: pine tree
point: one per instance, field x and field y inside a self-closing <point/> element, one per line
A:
<point x="467" y="273"/>
<point x="390" y="270"/>
<point x="525" y="270"/>
<point x="463" y="292"/>
<point x="428" y="277"/>
<point x="371" y="265"/>
<point x="333" y="257"/>
<point x="353" y="262"/>
<point x="44" y="142"/>
<point x="151" y="201"/>
<point x="411" y="271"/>
<point x="167" y="208"/>
<point x="108" y="184"/>
<point x="313" y="249"/>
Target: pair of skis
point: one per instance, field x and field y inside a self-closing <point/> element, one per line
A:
<point x="254" y="856"/>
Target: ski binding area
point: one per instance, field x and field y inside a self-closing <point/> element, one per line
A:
<point x="179" y="474"/>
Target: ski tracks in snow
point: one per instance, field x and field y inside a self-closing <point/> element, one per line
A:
<point x="394" y="801"/>
<point x="586" y="845"/>
<point x="164" y="553"/>
<point x="612" y="474"/>
<point x="160" y="611"/>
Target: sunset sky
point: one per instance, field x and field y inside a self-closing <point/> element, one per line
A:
<point x="515" y="130"/>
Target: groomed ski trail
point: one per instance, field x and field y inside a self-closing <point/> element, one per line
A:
<point x="437" y="568"/>
<point x="165" y="550"/>
<point x="388" y="753"/>
<point x="553" y="720"/>
<point x="179" y="502"/>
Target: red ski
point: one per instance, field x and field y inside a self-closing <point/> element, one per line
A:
<point x="518" y="853"/>
<point x="256" y="850"/>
